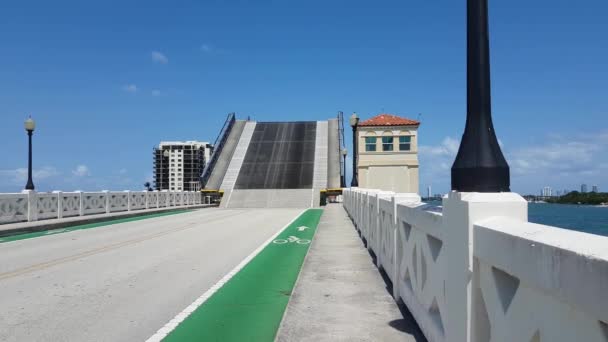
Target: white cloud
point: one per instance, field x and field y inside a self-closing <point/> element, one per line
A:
<point x="159" y="57"/>
<point x="20" y="174"/>
<point x="156" y="92"/>
<point x="81" y="171"/>
<point x="448" y="147"/>
<point x="436" y="162"/>
<point x="210" y="49"/>
<point x="15" y="178"/>
<point x="559" y="162"/>
<point x="130" y="88"/>
<point x="206" y="48"/>
<point x="573" y="156"/>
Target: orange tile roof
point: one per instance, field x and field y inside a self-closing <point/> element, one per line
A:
<point x="389" y="120"/>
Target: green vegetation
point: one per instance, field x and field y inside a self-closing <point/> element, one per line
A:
<point x="576" y="197"/>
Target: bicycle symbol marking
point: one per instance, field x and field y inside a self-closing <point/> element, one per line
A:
<point x="292" y="239"/>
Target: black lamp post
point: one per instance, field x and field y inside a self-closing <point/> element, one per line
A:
<point x="30" y="125"/>
<point x="480" y="165"/>
<point x="354" y="121"/>
<point x="343" y="178"/>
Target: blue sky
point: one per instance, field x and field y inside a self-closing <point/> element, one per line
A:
<point x="106" y="81"/>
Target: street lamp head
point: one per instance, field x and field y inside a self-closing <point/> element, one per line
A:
<point x="354" y="120"/>
<point x="30" y="125"/>
<point x="344" y="152"/>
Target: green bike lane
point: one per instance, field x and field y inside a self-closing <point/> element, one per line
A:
<point x="31" y="235"/>
<point x="250" y="306"/>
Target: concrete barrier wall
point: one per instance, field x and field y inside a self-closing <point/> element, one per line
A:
<point x="475" y="269"/>
<point x="33" y="206"/>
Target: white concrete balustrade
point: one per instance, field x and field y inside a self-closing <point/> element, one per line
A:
<point x="34" y="206"/>
<point x="476" y="270"/>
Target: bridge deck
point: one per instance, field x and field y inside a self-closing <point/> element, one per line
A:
<point x="124" y="281"/>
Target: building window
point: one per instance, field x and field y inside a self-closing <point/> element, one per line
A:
<point x="370" y="144"/>
<point x="405" y="143"/>
<point x="387" y="144"/>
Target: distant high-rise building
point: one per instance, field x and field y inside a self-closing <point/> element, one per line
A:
<point x="583" y="188"/>
<point x="595" y="189"/>
<point x="428" y="192"/>
<point x="547" y="191"/>
<point x="558" y="193"/>
<point x="178" y="165"/>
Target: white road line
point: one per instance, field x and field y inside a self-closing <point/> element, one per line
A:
<point x="172" y="324"/>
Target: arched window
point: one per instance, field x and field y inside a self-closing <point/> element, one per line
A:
<point x="370" y="142"/>
<point x="405" y="143"/>
<point x="387" y="141"/>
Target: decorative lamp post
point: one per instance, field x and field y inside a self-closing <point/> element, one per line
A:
<point x="354" y="121"/>
<point x="30" y="125"/>
<point x="343" y="178"/>
<point x="480" y="165"/>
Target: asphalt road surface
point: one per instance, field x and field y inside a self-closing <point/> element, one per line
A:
<point x="123" y="282"/>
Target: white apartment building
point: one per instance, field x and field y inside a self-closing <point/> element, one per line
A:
<point x="178" y="165"/>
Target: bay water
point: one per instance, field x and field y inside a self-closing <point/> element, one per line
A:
<point x="583" y="218"/>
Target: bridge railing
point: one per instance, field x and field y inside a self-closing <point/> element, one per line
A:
<point x="34" y="206"/>
<point x="218" y="146"/>
<point x="475" y="269"/>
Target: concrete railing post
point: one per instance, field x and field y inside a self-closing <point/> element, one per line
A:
<point x="146" y="193"/>
<point x="401" y="198"/>
<point x="59" y="203"/>
<point x="128" y="199"/>
<point x="460" y="212"/>
<point x="32" y="205"/>
<point x="107" y="197"/>
<point x="80" y="203"/>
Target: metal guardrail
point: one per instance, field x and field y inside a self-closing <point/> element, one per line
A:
<point x="217" y="147"/>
